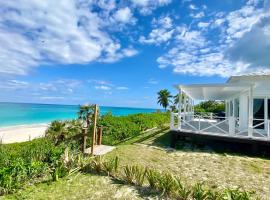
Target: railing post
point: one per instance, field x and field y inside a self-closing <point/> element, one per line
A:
<point x="231" y="125"/>
<point x="172" y="121"/>
<point x="211" y="115"/>
<point x="268" y="128"/>
<point x="199" y="123"/>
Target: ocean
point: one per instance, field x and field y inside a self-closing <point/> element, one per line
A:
<point x="25" y="113"/>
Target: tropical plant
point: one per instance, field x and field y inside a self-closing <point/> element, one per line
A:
<point x="111" y="166"/>
<point x="164" y="98"/>
<point x="153" y="177"/>
<point x="86" y="113"/>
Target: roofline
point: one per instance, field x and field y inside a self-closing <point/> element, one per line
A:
<point x="214" y="85"/>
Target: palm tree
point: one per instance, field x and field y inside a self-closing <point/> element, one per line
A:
<point x="164" y="98"/>
<point x="85" y="113"/>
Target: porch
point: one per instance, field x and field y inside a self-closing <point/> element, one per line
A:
<point x="246" y="116"/>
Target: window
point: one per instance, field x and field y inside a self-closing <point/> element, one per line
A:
<point x="258" y="113"/>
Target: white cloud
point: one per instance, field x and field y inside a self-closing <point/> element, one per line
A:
<point x="197" y="15"/>
<point x="203" y="24"/>
<point x="102" y="87"/>
<point x="147" y="6"/>
<point x="193" y="7"/>
<point x="122" y="88"/>
<point x="34" y="33"/>
<point x="254" y="46"/>
<point x="241" y="44"/>
<point x="152" y="81"/>
<point x="123" y="15"/>
<point x="162" y="32"/>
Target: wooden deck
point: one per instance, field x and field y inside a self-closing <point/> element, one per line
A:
<point x="100" y="150"/>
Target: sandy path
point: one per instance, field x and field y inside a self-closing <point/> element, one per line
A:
<point x="22" y="133"/>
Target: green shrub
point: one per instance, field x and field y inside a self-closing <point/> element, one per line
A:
<point x="111" y="166"/>
<point x="119" y="128"/>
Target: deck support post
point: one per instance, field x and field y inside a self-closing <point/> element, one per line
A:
<point x="179" y="109"/>
<point x="185" y="106"/>
<point x="250" y="113"/>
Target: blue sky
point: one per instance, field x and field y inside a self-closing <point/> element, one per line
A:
<point x="120" y="53"/>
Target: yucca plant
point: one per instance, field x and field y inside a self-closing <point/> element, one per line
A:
<point x="152" y="177"/>
<point x="183" y="192"/>
<point x="214" y="195"/>
<point x="111" y="166"/>
<point x="129" y="174"/>
<point x="139" y="175"/>
<point x="98" y="164"/>
<point x="199" y="192"/>
<point x="167" y="184"/>
<point x="237" y="194"/>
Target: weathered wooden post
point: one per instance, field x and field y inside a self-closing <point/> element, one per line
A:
<point x="99" y="139"/>
<point x="84" y="138"/>
<point x="94" y="129"/>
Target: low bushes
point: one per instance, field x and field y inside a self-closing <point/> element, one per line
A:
<point x="27" y="162"/>
<point x="117" y="129"/>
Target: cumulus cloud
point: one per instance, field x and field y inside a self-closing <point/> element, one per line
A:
<point x="34" y="33"/>
<point x="254" y="46"/>
<point x="162" y="32"/>
<point x="123" y="15"/>
<point x="240" y="45"/>
<point x="147" y="6"/>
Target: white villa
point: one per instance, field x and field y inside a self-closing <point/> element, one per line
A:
<point x="247" y="113"/>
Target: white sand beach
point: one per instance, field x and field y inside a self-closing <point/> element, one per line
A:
<point x="22" y="133"/>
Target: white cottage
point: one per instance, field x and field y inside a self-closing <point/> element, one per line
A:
<point x="247" y="102"/>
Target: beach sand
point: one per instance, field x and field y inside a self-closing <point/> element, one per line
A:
<point x="22" y="133"/>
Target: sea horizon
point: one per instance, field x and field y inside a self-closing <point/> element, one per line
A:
<point x="17" y="114"/>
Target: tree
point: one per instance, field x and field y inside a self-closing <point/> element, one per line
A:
<point x="85" y="113"/>
<point x="164" y="98"/>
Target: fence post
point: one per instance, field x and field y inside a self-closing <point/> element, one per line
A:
<point x="99" y="136"/>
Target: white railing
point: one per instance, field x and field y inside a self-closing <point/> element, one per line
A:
<point x="213" y="124"/>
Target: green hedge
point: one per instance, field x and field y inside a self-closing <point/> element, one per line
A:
<point x="119" y="128"/>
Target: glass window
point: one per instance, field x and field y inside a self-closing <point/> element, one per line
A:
<point x="258" y="113"/>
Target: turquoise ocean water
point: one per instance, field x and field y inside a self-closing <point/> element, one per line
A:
<point x="21" y="113"/>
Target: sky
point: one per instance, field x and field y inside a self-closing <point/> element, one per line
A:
<point x="122" y="52"/>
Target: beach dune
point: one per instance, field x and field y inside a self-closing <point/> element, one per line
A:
<point x="22" y="133"/>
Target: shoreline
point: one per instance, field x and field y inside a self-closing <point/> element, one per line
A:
<point x="22" y="133"/>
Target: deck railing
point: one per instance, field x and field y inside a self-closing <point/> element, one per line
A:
<point x="213" y="124"/>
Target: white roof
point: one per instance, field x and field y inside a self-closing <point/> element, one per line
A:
<point x="233" y="86"/>
<point x="264" y="75"/>
<point x="212" y="91"/>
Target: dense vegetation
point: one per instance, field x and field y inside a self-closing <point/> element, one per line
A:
<point x="57" y="155"/>
<point x="210" y="107"/>
<point x="40" y="159"/>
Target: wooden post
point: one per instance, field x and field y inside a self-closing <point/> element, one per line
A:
<point x="84" y="139"/>
<point x="94" y="130"/>
<point x="99" y="139"/>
